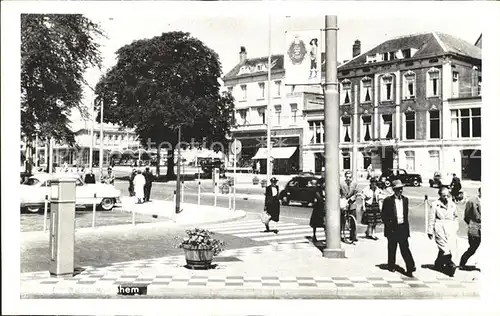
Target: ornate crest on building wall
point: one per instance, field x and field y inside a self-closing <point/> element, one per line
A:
<point x="297" y="51"/>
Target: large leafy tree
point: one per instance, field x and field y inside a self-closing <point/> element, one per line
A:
<point x="164" y="82"/>
<point x="56" y="50"/>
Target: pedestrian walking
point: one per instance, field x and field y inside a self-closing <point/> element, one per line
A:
<point x="397" y="228"/>
<point x="472" y="217"/>
<point x="373" y="197"/>
<point x="272" y="202"/>
<point x="131" y="182"/>
<point x="348" y="192"/>
<point x="455" y="187"/>
<point x="257" y="167"/>
<point x="318" y="213"/>
<point x="443" y="226"/>
<point x="149" y="184"/>
<point x="139" y="182"/>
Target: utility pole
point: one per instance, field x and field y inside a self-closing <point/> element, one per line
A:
<point x="101" y="149"/>
<point x="268" y="160"/>
<point x="91" y="147"/>
<point x="178" y="184"/>
<point x="333" y="248"/>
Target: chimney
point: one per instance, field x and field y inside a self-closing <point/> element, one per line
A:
<point x="356" y="48"/>
<point x="243" y="54"/>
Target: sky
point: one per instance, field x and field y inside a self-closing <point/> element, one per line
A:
<point x="225" y="33"/>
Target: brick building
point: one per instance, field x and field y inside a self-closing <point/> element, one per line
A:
<point x="412" y="102"/>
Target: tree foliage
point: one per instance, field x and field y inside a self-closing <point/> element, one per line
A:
<point x="56" y="50"/>
<point x="164" y="82"/>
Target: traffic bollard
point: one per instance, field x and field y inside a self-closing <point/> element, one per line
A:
<point x="229" y="199"/>
<point x="93" y="209"/>
<point x="215" y="195"/>
<point x="174" y="200"/>
<point x="426" y="210"/>
<point x="199" y="193"/>
<point x="45" y="207"/>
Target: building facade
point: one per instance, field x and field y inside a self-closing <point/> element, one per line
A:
<point x="413" y="102"/>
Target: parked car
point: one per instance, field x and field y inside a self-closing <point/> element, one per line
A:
<point x="300" y="189"/>
<point x="406" y="178"/>
<point x="36" y="187"/>
<point x="439" y="179"/>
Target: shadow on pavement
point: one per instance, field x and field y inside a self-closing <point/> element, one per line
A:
<point x="398" y="268"/>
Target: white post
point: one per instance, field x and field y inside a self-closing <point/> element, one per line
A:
<point x="46" y="203"/>
<point x="94" y="209"/>
<point x="234" y="182"/>
<point x="182" y="193"/>
<point x="229" y="199"/>
<point x="199" y="192"/>
<point x="174" y="201"/>
<point x="215" y="195"/>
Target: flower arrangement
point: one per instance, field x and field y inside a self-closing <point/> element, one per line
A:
<point x="201" y="239"/>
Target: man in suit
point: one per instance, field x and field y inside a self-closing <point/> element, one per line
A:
<point x="472" y="217"/>
<point x="272" y="202"/>
<point x="348" y="191"/>
<point x="397" y="228"/>
<point x="149" y="184"/>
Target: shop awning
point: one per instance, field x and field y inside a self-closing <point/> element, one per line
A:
<point x="276" y="153"/>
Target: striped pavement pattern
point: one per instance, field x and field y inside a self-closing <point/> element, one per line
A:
<point x="288" y="233"/>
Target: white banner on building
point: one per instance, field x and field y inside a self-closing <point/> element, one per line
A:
<point x="303" y="57"/>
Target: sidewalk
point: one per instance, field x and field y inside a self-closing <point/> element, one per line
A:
<point x="270" y="272"/>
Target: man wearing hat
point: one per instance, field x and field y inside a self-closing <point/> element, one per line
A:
<point x="272" y="202"/>
<point x="397" y="228"/>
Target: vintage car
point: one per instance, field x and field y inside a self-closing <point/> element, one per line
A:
<point x="37" y="187"/>
<point x="406" y="178"/>
<point x="300" y="189"/>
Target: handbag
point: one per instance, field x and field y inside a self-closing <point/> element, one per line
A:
<point x="265" y="217"/>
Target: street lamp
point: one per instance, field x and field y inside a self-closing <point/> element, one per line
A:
<point x="268" y="161"/>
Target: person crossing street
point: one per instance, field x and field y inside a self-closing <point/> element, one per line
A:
<point x="472" y="217"/>
<point x="149" y="183"/>
<point x="272" y="202"/>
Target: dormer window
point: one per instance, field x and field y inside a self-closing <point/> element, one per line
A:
<point x="385" y="56"/>
<point x="387" y="87"/>
<point x="406" y="53"/>
<point x="366" y="89"/>
<point x="409" y="85"/>
<point x="371" y="59"/>
<point x="392" y="55"/>
<point x="260" y="67"/>
<point x="346" y="92"/>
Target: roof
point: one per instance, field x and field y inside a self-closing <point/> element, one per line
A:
<point x="277" y="64"/>
<point x="427" y="45"/>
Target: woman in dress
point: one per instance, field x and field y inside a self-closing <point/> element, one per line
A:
<point x="443" y="226"/>
<point x="373" y="197"/>
<point x="318" y="213"/>
<point x="272" y="203"/>
<point x="139" y="182"/>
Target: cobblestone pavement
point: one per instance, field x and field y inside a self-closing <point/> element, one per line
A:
<point x="168" y="277"/>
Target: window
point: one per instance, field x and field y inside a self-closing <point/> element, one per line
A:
<point x="277" y="88"/>
<point x="455" y="85"/>
<point x="367" y="159"/>
<point x="243" y="116"/>
<point x="366" y="90"/>
<point x="406" y="53"/>
<point x="243" y="91"/>
<point x="479" y="83"/>
<point x="346" y="92"/>
<point x="409" y="85"/>
<point x="262" y="114"/>
<point x="385" y="56"/>
<point x="434" y="160"/>
<point x="346" y="160"/>
<point x="367" y="127"/>
<point x="434" y="124"/>
<point x="316" y="128"/>
<point x="230" y="90"/>
<point x="466" y="123"/>
<point x="410" y="125"/>
<point x="371" y="59"/>
<point x="410" y="160"/>
<point x="433" y="82"/>
<point x="277" y="111"/>
<point x="262" y="90"/>
<point x="346" y="123"/>
<point x="293" y="108"/>
<point x="244" y="70"/>
<point x="387" y="126"/>
<point x="387" y="92"/>
<point x="392" y="55"/>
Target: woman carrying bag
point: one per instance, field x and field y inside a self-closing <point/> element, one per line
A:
<point x="271" y="204"/>
<point x="318" y="213"/>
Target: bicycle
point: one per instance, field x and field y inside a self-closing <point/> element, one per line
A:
<point x="348" y="223"/>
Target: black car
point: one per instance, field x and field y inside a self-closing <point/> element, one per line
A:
<point x="299" y="189"/>
<point x="406" y="178"/>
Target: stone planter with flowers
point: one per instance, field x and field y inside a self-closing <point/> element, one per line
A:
<point x="200" y="247"/>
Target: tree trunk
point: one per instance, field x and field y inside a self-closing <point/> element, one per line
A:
<point x="170" y="165"/>
<point x="29" y="157"/>
<point x="158" y="160"/>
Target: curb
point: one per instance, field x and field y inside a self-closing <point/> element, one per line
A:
<point x="199" y="292"/>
